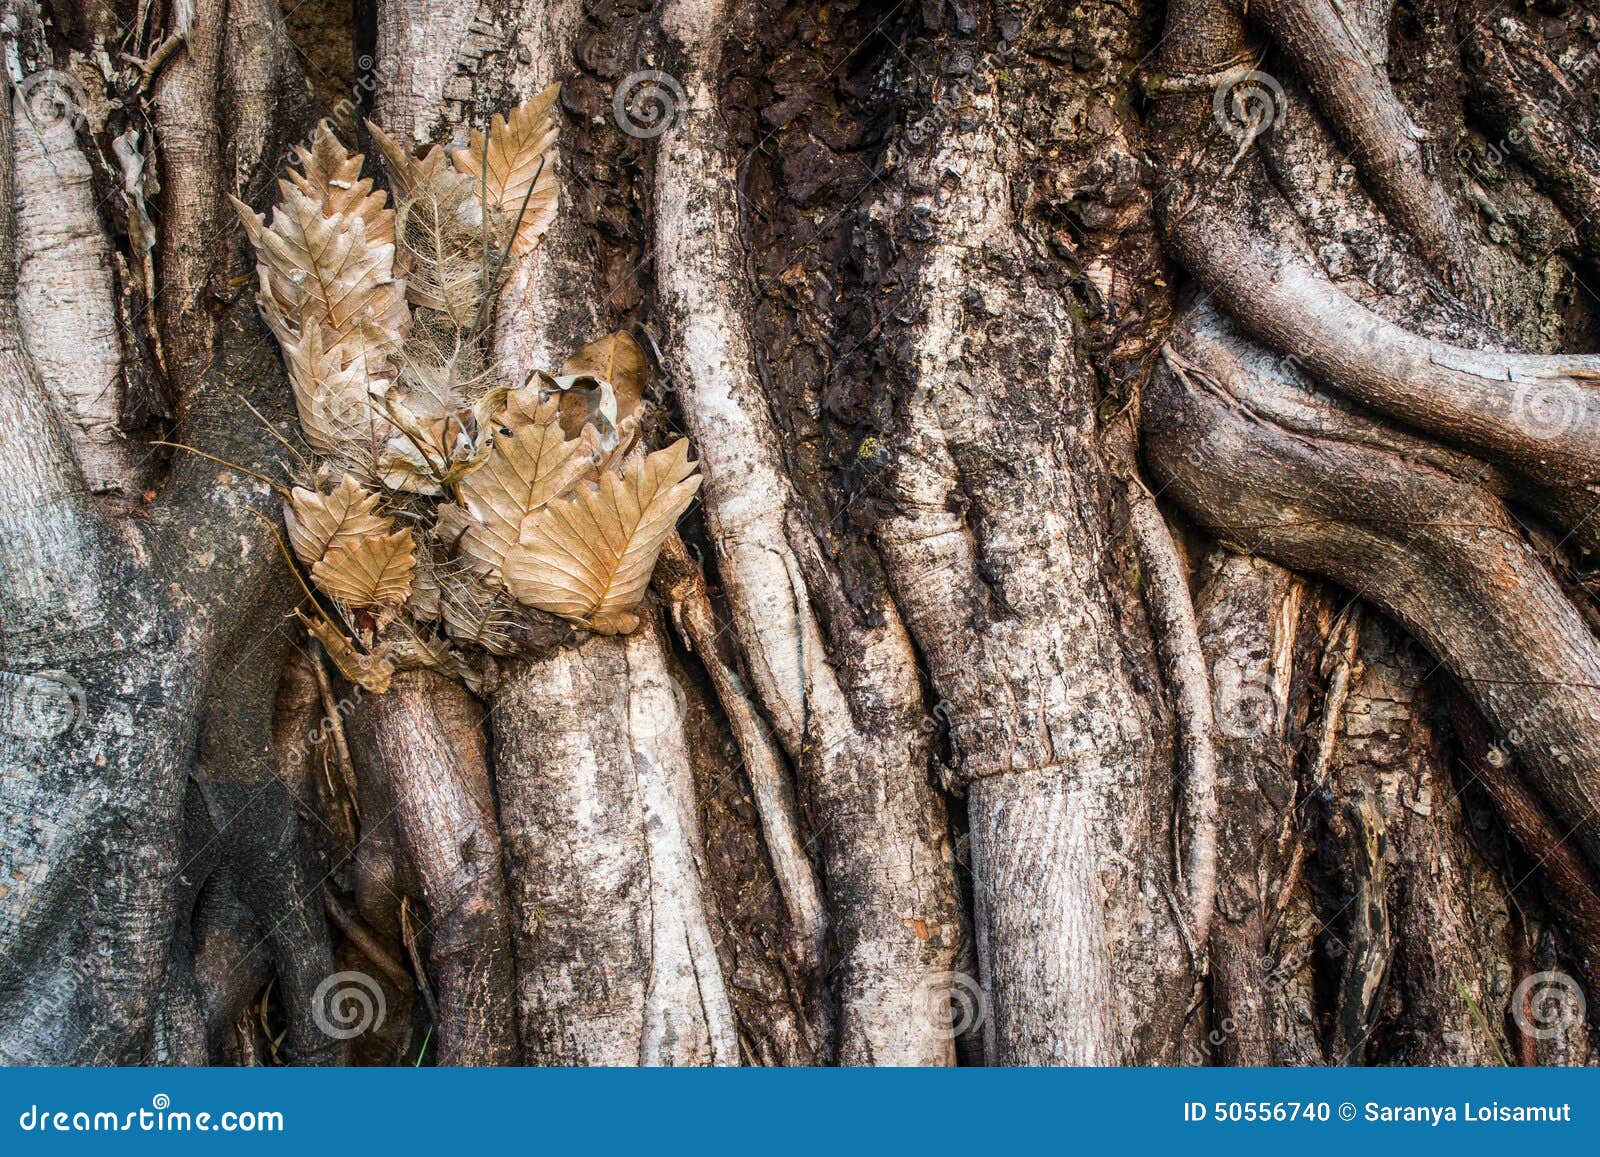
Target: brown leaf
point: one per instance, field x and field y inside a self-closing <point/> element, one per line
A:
<point x="324" y="270"/>
<point x="518" y="173"/>
<point x="336" y="414"/>
<point x="477" y="615"/>
<point x="371" y="672"/>
<point x="372" y="572"/>
<point x="331" y="176"/>
<point x="531" y="463"/>
<point x="320" y="523"/>
<point x="618" y="360"/>
<point x="588" y="557"/>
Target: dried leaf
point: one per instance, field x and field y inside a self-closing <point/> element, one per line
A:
<point x="331" y="176"/>
<point x="323" y="270"/>
<point x="588" y="557"/>
<point x="370" y="672"/>
<point x="531" y="463"/>
<point x="518" y="173"/>
<point x="442" y="238"/>
<point x="373" y="572"/>
<point x="618" y="360"/>
<point x="412" y="649"/>
<point x="320" y="523"/>
<point x="434" y="452"/>
<point x="477" y="616"/>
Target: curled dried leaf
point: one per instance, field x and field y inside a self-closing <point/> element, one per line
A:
<point x="619" y="361"/>
<point x="372" y="672"/>
<point x="588" y="557"/>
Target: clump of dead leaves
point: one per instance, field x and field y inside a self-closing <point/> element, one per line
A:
<point x="439" y="500"/>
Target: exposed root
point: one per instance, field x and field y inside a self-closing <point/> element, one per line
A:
<point x="1544" y="116"/>
<point x="1172" y="609"/>
<point x="1439" y="555"/>
<point x="1538" y="413"/>
<point x="681" y="584"/>
<point x="844" y="728"/>
<point x="1346" y="72"/>
<point x="425" y="736"/>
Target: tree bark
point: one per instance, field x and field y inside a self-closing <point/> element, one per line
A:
<point x="1137" y="611"/>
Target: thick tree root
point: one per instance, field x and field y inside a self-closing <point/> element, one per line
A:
<point x="1345" y="67"/>
<point x="425" y="737"/>
<point x="1255" y="623"/>
<point x="1537" y="413"/>
<point x="681" y="584"/>
<point x="616" y="963"/>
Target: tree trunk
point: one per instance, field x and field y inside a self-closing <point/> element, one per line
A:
<point x="1137" y="611"/>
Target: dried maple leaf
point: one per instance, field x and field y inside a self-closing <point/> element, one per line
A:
<point x="321" y="523"/>
<point x="371" y="572"/>
<point x="517" y="173"/>
<point x="531" y="463"/>
<point x="588" y="557"/>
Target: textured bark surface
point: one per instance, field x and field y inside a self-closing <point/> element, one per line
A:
<point x="1138" y="609"/>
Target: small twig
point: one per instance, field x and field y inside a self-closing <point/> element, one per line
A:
<point x="224" y="462"/>
<point x="156" y="61"/>
<point x="341" y="746"/>
<point x="409" y="935"/>
<point x="366" y="940"/>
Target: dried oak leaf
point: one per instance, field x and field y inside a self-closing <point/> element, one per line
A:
<point x="336" y="414"/>
<point x="371" y="572"/>
<point x="321" y="523"/>
<point x="531" y="463"/>
<point x="518" y="173"/>
<point x="588" y="557"/>
<point x="331" y="176"/>
<point x="324" y="270"/>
